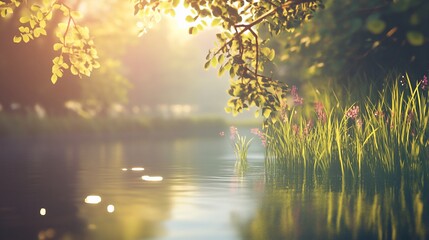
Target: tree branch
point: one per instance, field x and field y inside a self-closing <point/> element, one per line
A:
<point x="246" y="27"/>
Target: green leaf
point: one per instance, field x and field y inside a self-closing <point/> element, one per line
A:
<point x="415" y="38"/>
<point x="237" y="91"/>
<point x="213" y="61"/>
<point x="266" y="112"/>
<point x="215" y="22"/>
<point x="271" y="55"/>
<point x="221" y="71"/>
<point x="189" y="18"/>
<point x="375" y="25"/>
<point x="256" y="113"/>
<point x="266" y="51"/>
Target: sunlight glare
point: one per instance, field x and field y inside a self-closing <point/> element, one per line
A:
<point x="180" y="17"/>
<point x="137" y="169"/>
<point x="43" y="211"/>
<point x="110" y="208"/>
<point x="152" y="178"/>
<point x="93" y="199"/>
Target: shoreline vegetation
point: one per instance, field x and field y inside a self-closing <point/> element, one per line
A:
<point x="382" y="136"/>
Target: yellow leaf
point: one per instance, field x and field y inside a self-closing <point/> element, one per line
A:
<point x="214" y="61"/>
<point x="56" y="60"/>
<point x="17" y="3"/>
<point x="73" y="70"/>
<point x="32" y="23"/>
<point x="42" y="23"/>
<point x="36" y="32"/>
<point x="24" y="19"/>
<point x="49" y="16"/>
<point x="58" y="72"/>
<point x="96" y="64"/>
<point x="26" y="38"/>
<point x="216" y="22"/>
<point x="35" y="7"/>
<point x="54" y="78"/>
<point x="256" y="113"/>
<point x="75" y="14"/>
<point x="17" y="39"/>
<point x="42" y="31"/>
<point x="39" y="15"/>
<point x="58" y="46"/>
<point x="271" y="55"/>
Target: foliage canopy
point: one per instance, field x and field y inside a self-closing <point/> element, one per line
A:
<point x="240" y="50"/>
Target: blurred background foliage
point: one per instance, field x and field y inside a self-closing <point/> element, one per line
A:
<point x="367" y="38"/>
<point x="25" y="68"/>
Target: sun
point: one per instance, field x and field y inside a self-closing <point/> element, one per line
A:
<point x="180" y="17"/>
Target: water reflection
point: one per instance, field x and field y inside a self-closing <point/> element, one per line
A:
<point x="204" y="194"/>
<point x="135" y="210"/>
<point x="301" y="208"/>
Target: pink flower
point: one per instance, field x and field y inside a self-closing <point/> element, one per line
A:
<point x="353" y="112"/>
<point x="320" y="111"/>
<point x="233" y="132"/>
<point x="297" y="100"/>
<point x="424" y="83"/>
<point x="260" y="134"/>
<point x="222" y="134"/>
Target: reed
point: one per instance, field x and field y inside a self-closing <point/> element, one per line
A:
<point x="240" y="145"/>
<point x="387" y="136"/>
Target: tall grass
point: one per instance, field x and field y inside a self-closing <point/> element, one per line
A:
<point x="387" y="136"/>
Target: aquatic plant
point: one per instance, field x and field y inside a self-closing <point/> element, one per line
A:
<point x="240" y="144"/>
<point x="387" y="136"/>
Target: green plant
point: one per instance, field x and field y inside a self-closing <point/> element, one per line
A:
<point x="387" y="136"/>
<point x="240" y="144"/>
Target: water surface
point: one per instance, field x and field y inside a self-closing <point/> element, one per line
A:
<point x="202" y="195"/>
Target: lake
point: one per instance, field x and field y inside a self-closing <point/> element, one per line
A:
<point x="189" y="189"/>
